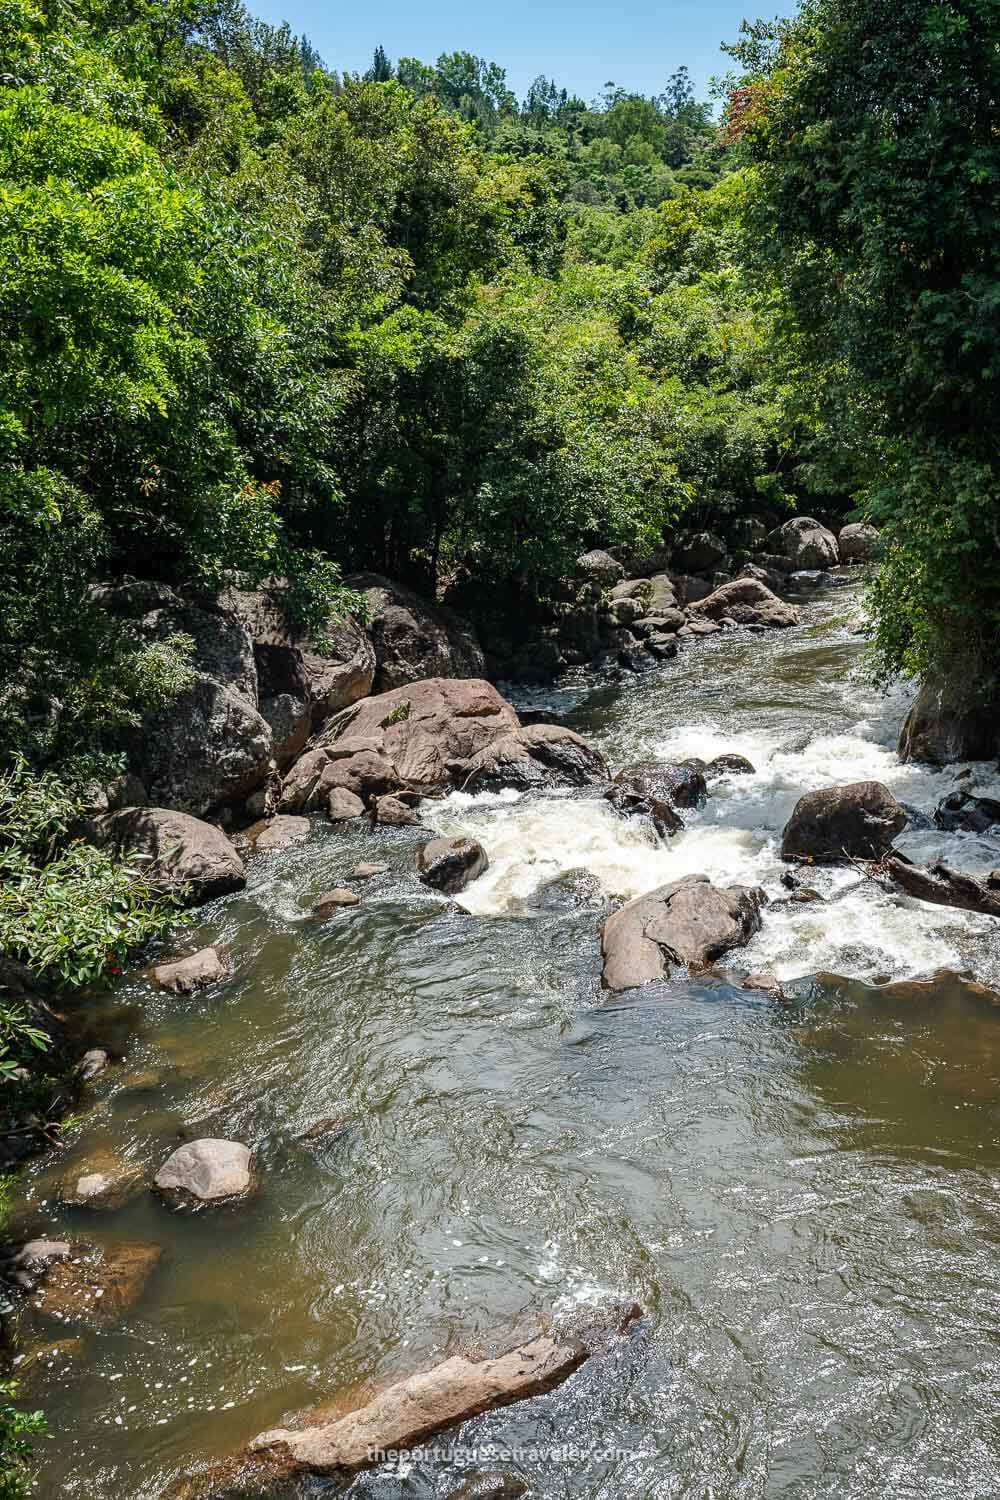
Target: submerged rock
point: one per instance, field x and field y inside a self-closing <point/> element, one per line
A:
<point x="837" y="823"/>
<point x="689" y="921"/>
<point x="206" y="1172"/>
<point x="96" y="1285"/>
<point x="632" y="804"/>
<point x="449" y="865"/>
<point x="325" y="1131"/>
<point x="369" y="871"/>
<point x="173" y="850"/>
<point x="185" y="976"/>
<point x="745" y="601"/>
<point x="28" y="1264"/>
<point x="104" y="1183"/>
<point x="729" y="765"/>
<point x="490" y="1485"/>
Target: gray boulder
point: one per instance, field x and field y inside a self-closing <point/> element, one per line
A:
<point x="699" y="553"/>
<point x="772" y="577"/>
<point x="600" y="567"/>
<point x="806" y="543"/>
<point x="414" y="639"/>
<point x="858" y="821"/>
<point x="172" y="850"/>
<point x="210" y="747"/>
<point x="449" y="865"/>
<point x="206" y="1172"/>
<point x="858" y="542"/>
<point x="689" y="921"/>
<point x="679" y="783"/>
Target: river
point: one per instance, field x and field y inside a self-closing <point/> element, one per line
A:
<point x="804" y="1197"/>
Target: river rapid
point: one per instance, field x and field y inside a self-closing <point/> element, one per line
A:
<point x="804" y="1197"/>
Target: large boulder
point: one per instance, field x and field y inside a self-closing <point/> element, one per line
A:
<point x="414" y="639"/>
<point x="689" y="921"/>
<point x="772" y="577"/>
<point x="450" y="864"/>
<point x="680" y="783"/>
<point x="324" y="676"/>
<point x="745" y="601"/>
<point x="838" y="823"/>
<point x="858" y="542"/>
<point x="806" y="543"/>
<point x="440" y="732"/>
<point x="600" y="567"/>
<point x="699" y="553"/>
<point x="172" y="850"/>
<point x="206" y="1172"/>
<point x="942" y="726"/>
<point x="210" y="747"/>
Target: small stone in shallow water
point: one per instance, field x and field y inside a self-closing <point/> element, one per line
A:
<point x="333" y="901"/>
<point x="767" y="982"/>
<point x="184" y="976"/>
<point x="93" y="1063"/>
<point x="326" y="1130"/>
<point x="366" y="872"/>
<point x="490" y="1485"/>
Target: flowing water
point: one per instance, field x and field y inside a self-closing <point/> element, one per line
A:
<point x="804" y="1197"/>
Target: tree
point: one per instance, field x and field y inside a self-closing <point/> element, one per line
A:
<point x="875" y="216"/>
<point x="381" y="68"/>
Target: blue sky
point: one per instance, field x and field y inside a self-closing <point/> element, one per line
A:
<point x="580" y="43"/>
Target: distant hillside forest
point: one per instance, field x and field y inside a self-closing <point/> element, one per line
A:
<point x="263" y="317"/>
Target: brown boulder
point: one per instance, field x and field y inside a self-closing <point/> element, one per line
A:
<point x="172" y="850"/>
<point x="944" y="725"/>
<point x="96" y="1285"/>
<point x="436" y="733"/>
<point x="393" y="812"/>
<point x="745" y="601"/>
<point x="679" y="783"/>
<point x="278" y="833"/>
<point x="858" y="542"/>
<point x="689" y="921"/>
<point x="342" y="805"/>
<point x="836" y="823"/>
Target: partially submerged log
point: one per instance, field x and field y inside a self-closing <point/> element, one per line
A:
<point x="938" y="883"/>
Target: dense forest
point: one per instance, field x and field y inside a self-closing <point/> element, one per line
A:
<point x="263" y="317"/>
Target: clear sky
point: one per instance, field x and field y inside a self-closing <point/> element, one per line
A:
<point x="582" y="44"/>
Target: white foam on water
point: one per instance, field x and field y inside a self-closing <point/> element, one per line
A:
<point x="735" y="839"/>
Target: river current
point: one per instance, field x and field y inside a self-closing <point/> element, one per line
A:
<point x="804" y="1197"/>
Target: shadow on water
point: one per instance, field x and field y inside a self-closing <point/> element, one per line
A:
<point x="803" y="1196"/>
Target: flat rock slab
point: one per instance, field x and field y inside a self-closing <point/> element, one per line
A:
<point x="690" y="921"/>
<point x="333" y="901"/>
<point x="185" y="976"/>
<point x="96" y="1286"/>
<point x="415" y="1409"/>
<point x="281" y="832"/>
<point x="206" y="1172"/>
